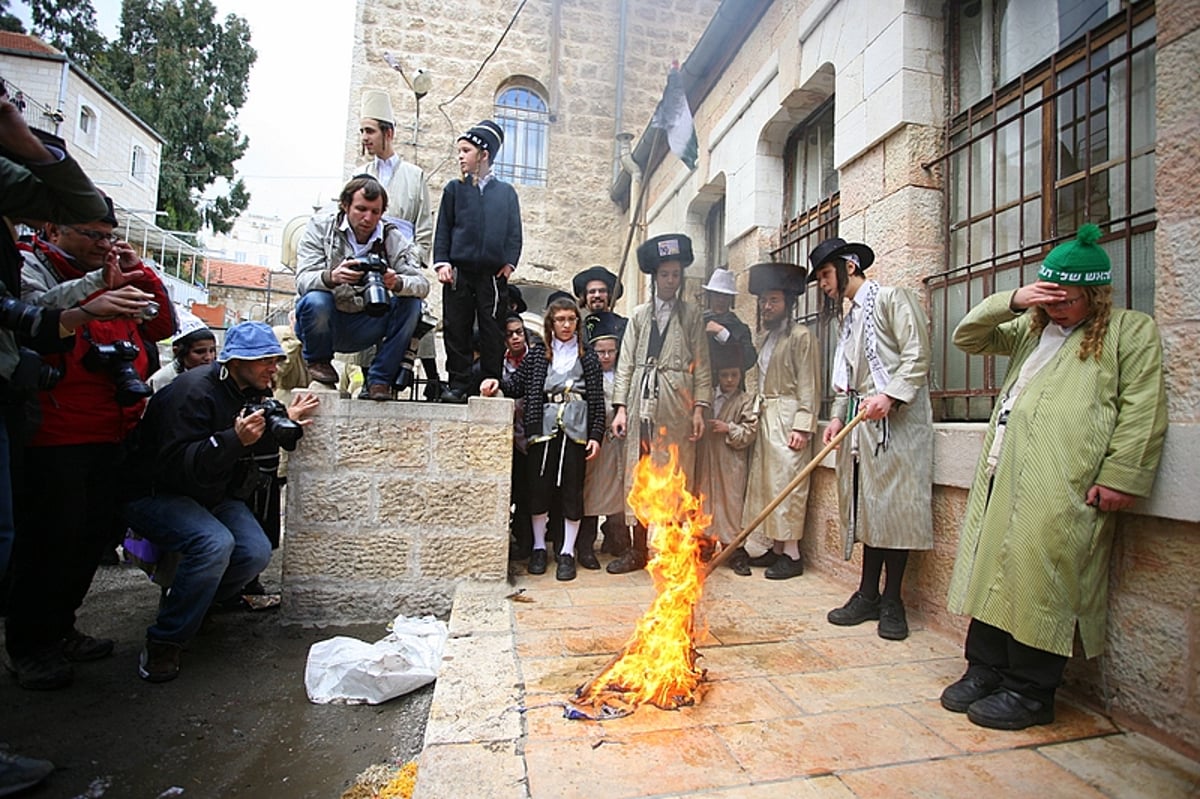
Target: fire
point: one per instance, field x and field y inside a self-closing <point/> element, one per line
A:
<point x="658" y="663"/>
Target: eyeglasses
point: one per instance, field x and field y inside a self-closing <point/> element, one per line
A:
<point x="1064" y="303"/>
<point x="565" y="320"/>
<point x="512" y="333"/>
<point x="95" y="235"/>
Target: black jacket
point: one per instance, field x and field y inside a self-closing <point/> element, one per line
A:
<point x="186" y="443"/>
<point x="478" y="231"/>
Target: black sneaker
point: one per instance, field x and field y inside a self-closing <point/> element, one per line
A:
<point x="1004" y="709"/>
<point x="78" y="647"/>
<point x="537" y="562"/>
<point x="566" y="568"/>
<point x="973" y="686"/>
<point x="785" y="567"/>
<point x="892" y="622"/>
<point x="159" y="661"/>
<point x="857" y="610"/>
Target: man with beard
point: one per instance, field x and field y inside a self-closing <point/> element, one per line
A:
<point x="597" y="290"/>
<point x="789" y="394"/>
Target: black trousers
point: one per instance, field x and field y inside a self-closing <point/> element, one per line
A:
<point x="522" y="528"/>
<point x="64" y="520"/>
<point x="474" y="299"/>
<point x="1029" y="671"/>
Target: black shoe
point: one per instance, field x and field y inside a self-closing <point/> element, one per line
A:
<point x="587" y="559"/>
<point x="159" y="661"/>
<point x="433" y="391"/>
<point x="1004" y="709"/>
<point x="857" y="610"/>
<point x="973" y="686"/>
<point x="566" y="568"/>
<point x="785" y="567"/>
<point x="537" y="562"/>
<point x="454" y="396"/>
<point x="518" y="553"/>
<point x="79" y="647"/>
<point x="47" y="670"/>
<point x="633" y="560"/>
<point x="767" y="558"/>
<point x="739" y="562"/>
<point x="893" y="624"/>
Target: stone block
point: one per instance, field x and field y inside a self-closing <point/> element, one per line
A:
<point x="1157" y="561"/>
<point x="1181" y="369"/>
<point x="481" y="608"/>
<point x="444" y="502"/>
<point x="322" y="601"/>
<point x="860" y="182"/>
<point x="1147" y="648"/>
<point x="328" y="498"/>
<point x="471" y="448"/>
<point x="1174" y="20"/>
<point x="382" y="444"/>
<point x="492" y="769"/>
<point x="465" y="556"/>
<point x="353" y="556"/>
<point x="475" y="699"/>
<point x="904" y="152"/>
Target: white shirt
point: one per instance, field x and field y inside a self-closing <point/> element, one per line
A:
<point x="662" y="312"/>
<point x="386" y="167"/>
<point x="360" y="250"/>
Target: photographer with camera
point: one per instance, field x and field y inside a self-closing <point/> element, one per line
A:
<point x="208" y="445"/>
<point x="78" y="446"/>
<point x="360" y="285"/>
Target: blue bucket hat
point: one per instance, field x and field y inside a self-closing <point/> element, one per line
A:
<point x="250" y="341"/>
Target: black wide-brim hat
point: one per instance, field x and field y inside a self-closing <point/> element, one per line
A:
<point x="559" y="295"/>
<point x="652" y="253"/>
<point x="776" y="276"/>
<point x="829" y="249"/>
<point x="515" y="300"/>
<point x="580" y="281"/>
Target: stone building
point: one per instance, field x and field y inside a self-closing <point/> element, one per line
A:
<point x="567" y="77"/>
<point x="961" y="141"/>
<point x="249" y="292"/>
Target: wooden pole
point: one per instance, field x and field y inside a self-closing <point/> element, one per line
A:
<point x="728" y="550"/>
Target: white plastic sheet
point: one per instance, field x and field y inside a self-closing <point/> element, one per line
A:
<point x="349" y="671"/>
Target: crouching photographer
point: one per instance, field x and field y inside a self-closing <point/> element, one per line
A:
<point x="208" y="444"/>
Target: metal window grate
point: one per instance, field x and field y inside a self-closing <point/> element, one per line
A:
<point x="526" y="123"/>
<point x="1068" y="142"/>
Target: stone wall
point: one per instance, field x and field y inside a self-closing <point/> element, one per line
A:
<point x="391" y="505"/>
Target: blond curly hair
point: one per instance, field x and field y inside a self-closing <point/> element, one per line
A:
<point x="1100" y="303"/>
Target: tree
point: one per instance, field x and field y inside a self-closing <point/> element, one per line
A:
<point x="178" y="68"/>
<point x="9" y="22"/>
<point x="69" y="25"/>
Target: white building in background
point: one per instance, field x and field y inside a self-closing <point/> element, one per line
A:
<point x="255" y="239"/>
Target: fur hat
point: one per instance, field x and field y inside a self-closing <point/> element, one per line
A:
<point x="725" y="356"/>
<point x="1079" y="262"/>
<point x="772" y="276"/>
<point x="377" y="104"/>
<point x="829" y="249"/>
<point x="487" y="136"/>
<point x="605" y="324"/>
<point x="668" y="247"/>
<point x="250" y="341"/>
<point x="580" y="281"/>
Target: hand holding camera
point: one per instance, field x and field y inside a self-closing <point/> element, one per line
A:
<point x="125" y="301"/>
<point x="373" y="271"/>
<point x="268" y="416"/>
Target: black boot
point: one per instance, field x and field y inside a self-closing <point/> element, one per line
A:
<point x="585" y="544"/>
<point x="633" y="558"/>
<point x="616" y="535"/>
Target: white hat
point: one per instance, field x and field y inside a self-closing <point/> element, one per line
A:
<point x="377" y="104"/>
<point x="188" y="323"/>
<point x="721" y="282"/>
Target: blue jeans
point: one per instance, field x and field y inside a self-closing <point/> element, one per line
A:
<point x="323" y="330"/>
<point x="223" y="548"/>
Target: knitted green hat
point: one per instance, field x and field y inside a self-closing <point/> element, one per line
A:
<point x="1078" y="263"/>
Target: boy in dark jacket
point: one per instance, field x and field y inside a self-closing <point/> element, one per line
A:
<point x="475" y="250"/>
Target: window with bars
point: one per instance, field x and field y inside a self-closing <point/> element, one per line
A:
<point x="522" y="113"/>
<point x="810" y="211"/>
<point x="1069" y="140"/>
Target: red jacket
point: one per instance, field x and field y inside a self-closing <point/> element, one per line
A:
<point x="82" y="408"/>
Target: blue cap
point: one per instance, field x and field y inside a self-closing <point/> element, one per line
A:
<point x="250" y="341"/>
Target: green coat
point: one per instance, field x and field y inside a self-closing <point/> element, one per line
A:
<point x="1033" y="556"/>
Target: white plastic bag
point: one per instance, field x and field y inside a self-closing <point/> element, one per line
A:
<point x="353" y="672"/>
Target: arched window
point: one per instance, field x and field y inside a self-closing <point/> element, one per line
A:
<point x="522" y="114"/>
<point x="137" y="164"/>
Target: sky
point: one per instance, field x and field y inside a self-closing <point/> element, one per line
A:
<point x="295" y="114"/>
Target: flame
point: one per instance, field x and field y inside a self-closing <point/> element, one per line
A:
<point x="658" y="663"/>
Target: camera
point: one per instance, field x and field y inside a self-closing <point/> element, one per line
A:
<point x="282" y="429"/>
<point x="375" y="294"/>
<point x="151" y="310"/>
<point x="19" y="317"/>
<point x="33" y="374"/>
<point x="117" y="360"/>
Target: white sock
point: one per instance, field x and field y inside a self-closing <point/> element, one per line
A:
<point x="539" y="529"/>
<point x="792" y="549"/>
<point x="570" y="533"/>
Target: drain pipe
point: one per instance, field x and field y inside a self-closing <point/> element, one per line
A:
<point x="620" y="101"/>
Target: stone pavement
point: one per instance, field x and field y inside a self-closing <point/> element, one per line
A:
<point x="795" y="708"/>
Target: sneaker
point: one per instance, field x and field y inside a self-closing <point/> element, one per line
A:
<point x="892" y="622"/>
<point x="785" y="567"/>
<point x="857" y="610"/>
<point x="18" y="773"/>
<point x="79" y="647"/>
<point x="566" y="568"/>
<point x="46" y="670"/>
<point x="159" y="661"/>
<point x="973" y="686"/>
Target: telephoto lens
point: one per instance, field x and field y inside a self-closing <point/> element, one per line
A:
<point x="375" y="293"/>
<point x="19" y="317"/>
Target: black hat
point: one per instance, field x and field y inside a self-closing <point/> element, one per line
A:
<point x="559" y="295"/>
<point x="788" y="278"/>
<point x="110" y="216"/>
<point x="726" y="356"/>
<point x="515" y="300"/>
<point x="839" y="248"/>
<point x="580" y="281"/>
<point x="605" y="324"/>
<point x="487" y="135"/>
<point x="668" y="247"/>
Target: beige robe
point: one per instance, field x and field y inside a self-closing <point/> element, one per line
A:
<point x="791" y="395"/>
<point x="408" y="198"/>
<point x="892" y="508"/>
<point x="603" y="483"/>
<point x="664" y="392"/>
<point x="723" y="463"/>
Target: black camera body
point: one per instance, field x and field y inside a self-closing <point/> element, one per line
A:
<point x="375" y="295"/>
<point x="33" y="374"/>
<point x="116" y="359"/>
<point x="282" y="429"/>
<point x="19" y="317"/>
